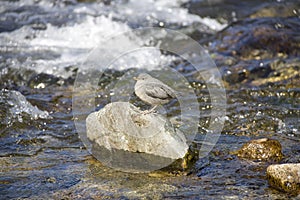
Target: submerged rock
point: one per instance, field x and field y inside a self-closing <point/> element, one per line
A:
<point x="261" y="150"/>
<point x="285" y="177"/>
<point x="288" y="9"/>
<point x="260" y="38"/>
<point x="259" y="51"/>
<point x="123" y="136"/>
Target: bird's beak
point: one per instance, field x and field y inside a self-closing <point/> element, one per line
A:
<point x="135" y="78"/>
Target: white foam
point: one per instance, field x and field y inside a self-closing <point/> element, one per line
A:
<point x="69" y="45"/>
<point x="86" y="35"/>
<point x="168" y="11"/>
<point x="74" y="43"/>
<point x="162" y="12"/>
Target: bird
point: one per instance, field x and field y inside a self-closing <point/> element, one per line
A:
<point x="152" y="91"/>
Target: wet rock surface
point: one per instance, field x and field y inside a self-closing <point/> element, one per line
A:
<point x="260" y="43"/>
<point x="122" y="135"/>
<point x="261" y="150"/>
<point x="259" y="51"/>
<point x="121" y="125"/>
<point x="285" y="177"/>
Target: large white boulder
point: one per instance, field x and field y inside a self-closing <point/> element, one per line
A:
<point x="122" y="126"/>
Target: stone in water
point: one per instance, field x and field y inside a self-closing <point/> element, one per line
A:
<point x="124" y="135"/>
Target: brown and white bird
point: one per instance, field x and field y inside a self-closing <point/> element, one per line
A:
<point x="152" y="91"/>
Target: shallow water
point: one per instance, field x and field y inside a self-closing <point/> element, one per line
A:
<point x="43" y="44"/>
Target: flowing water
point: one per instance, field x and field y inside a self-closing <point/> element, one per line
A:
<point x="43" y="44"/>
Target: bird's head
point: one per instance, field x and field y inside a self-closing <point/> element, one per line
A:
<point x="142" y="76"/>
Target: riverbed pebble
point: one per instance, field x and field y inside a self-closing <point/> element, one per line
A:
<point x="285" y="177"/>
<point x="263" y="149"/>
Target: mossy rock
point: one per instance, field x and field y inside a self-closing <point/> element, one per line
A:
<point x="261" y="150"/>
<point x="285" y="177"/>
<point x="182" y="166"/>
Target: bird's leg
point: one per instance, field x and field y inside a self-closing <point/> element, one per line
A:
<point x="153" y="109"/>
<point x="150" y="111"/>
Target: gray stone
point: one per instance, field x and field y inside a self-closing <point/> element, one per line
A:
<point x="285" y="177"/>
<point x="122" y="126"/>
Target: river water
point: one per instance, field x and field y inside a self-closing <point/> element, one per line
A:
<point x="255" y="45"/>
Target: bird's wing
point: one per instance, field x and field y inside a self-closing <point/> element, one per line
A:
<point x="159" y="91"/>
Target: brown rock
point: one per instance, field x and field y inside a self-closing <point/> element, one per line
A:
<point x="262" y="150"/>
<point x="285" y="177"/>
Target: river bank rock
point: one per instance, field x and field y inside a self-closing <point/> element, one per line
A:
<point x="285" y="177"/>
<point x="123" y="136"/>
<point x="259" y="51"/>
<point x="261" y="150"/>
